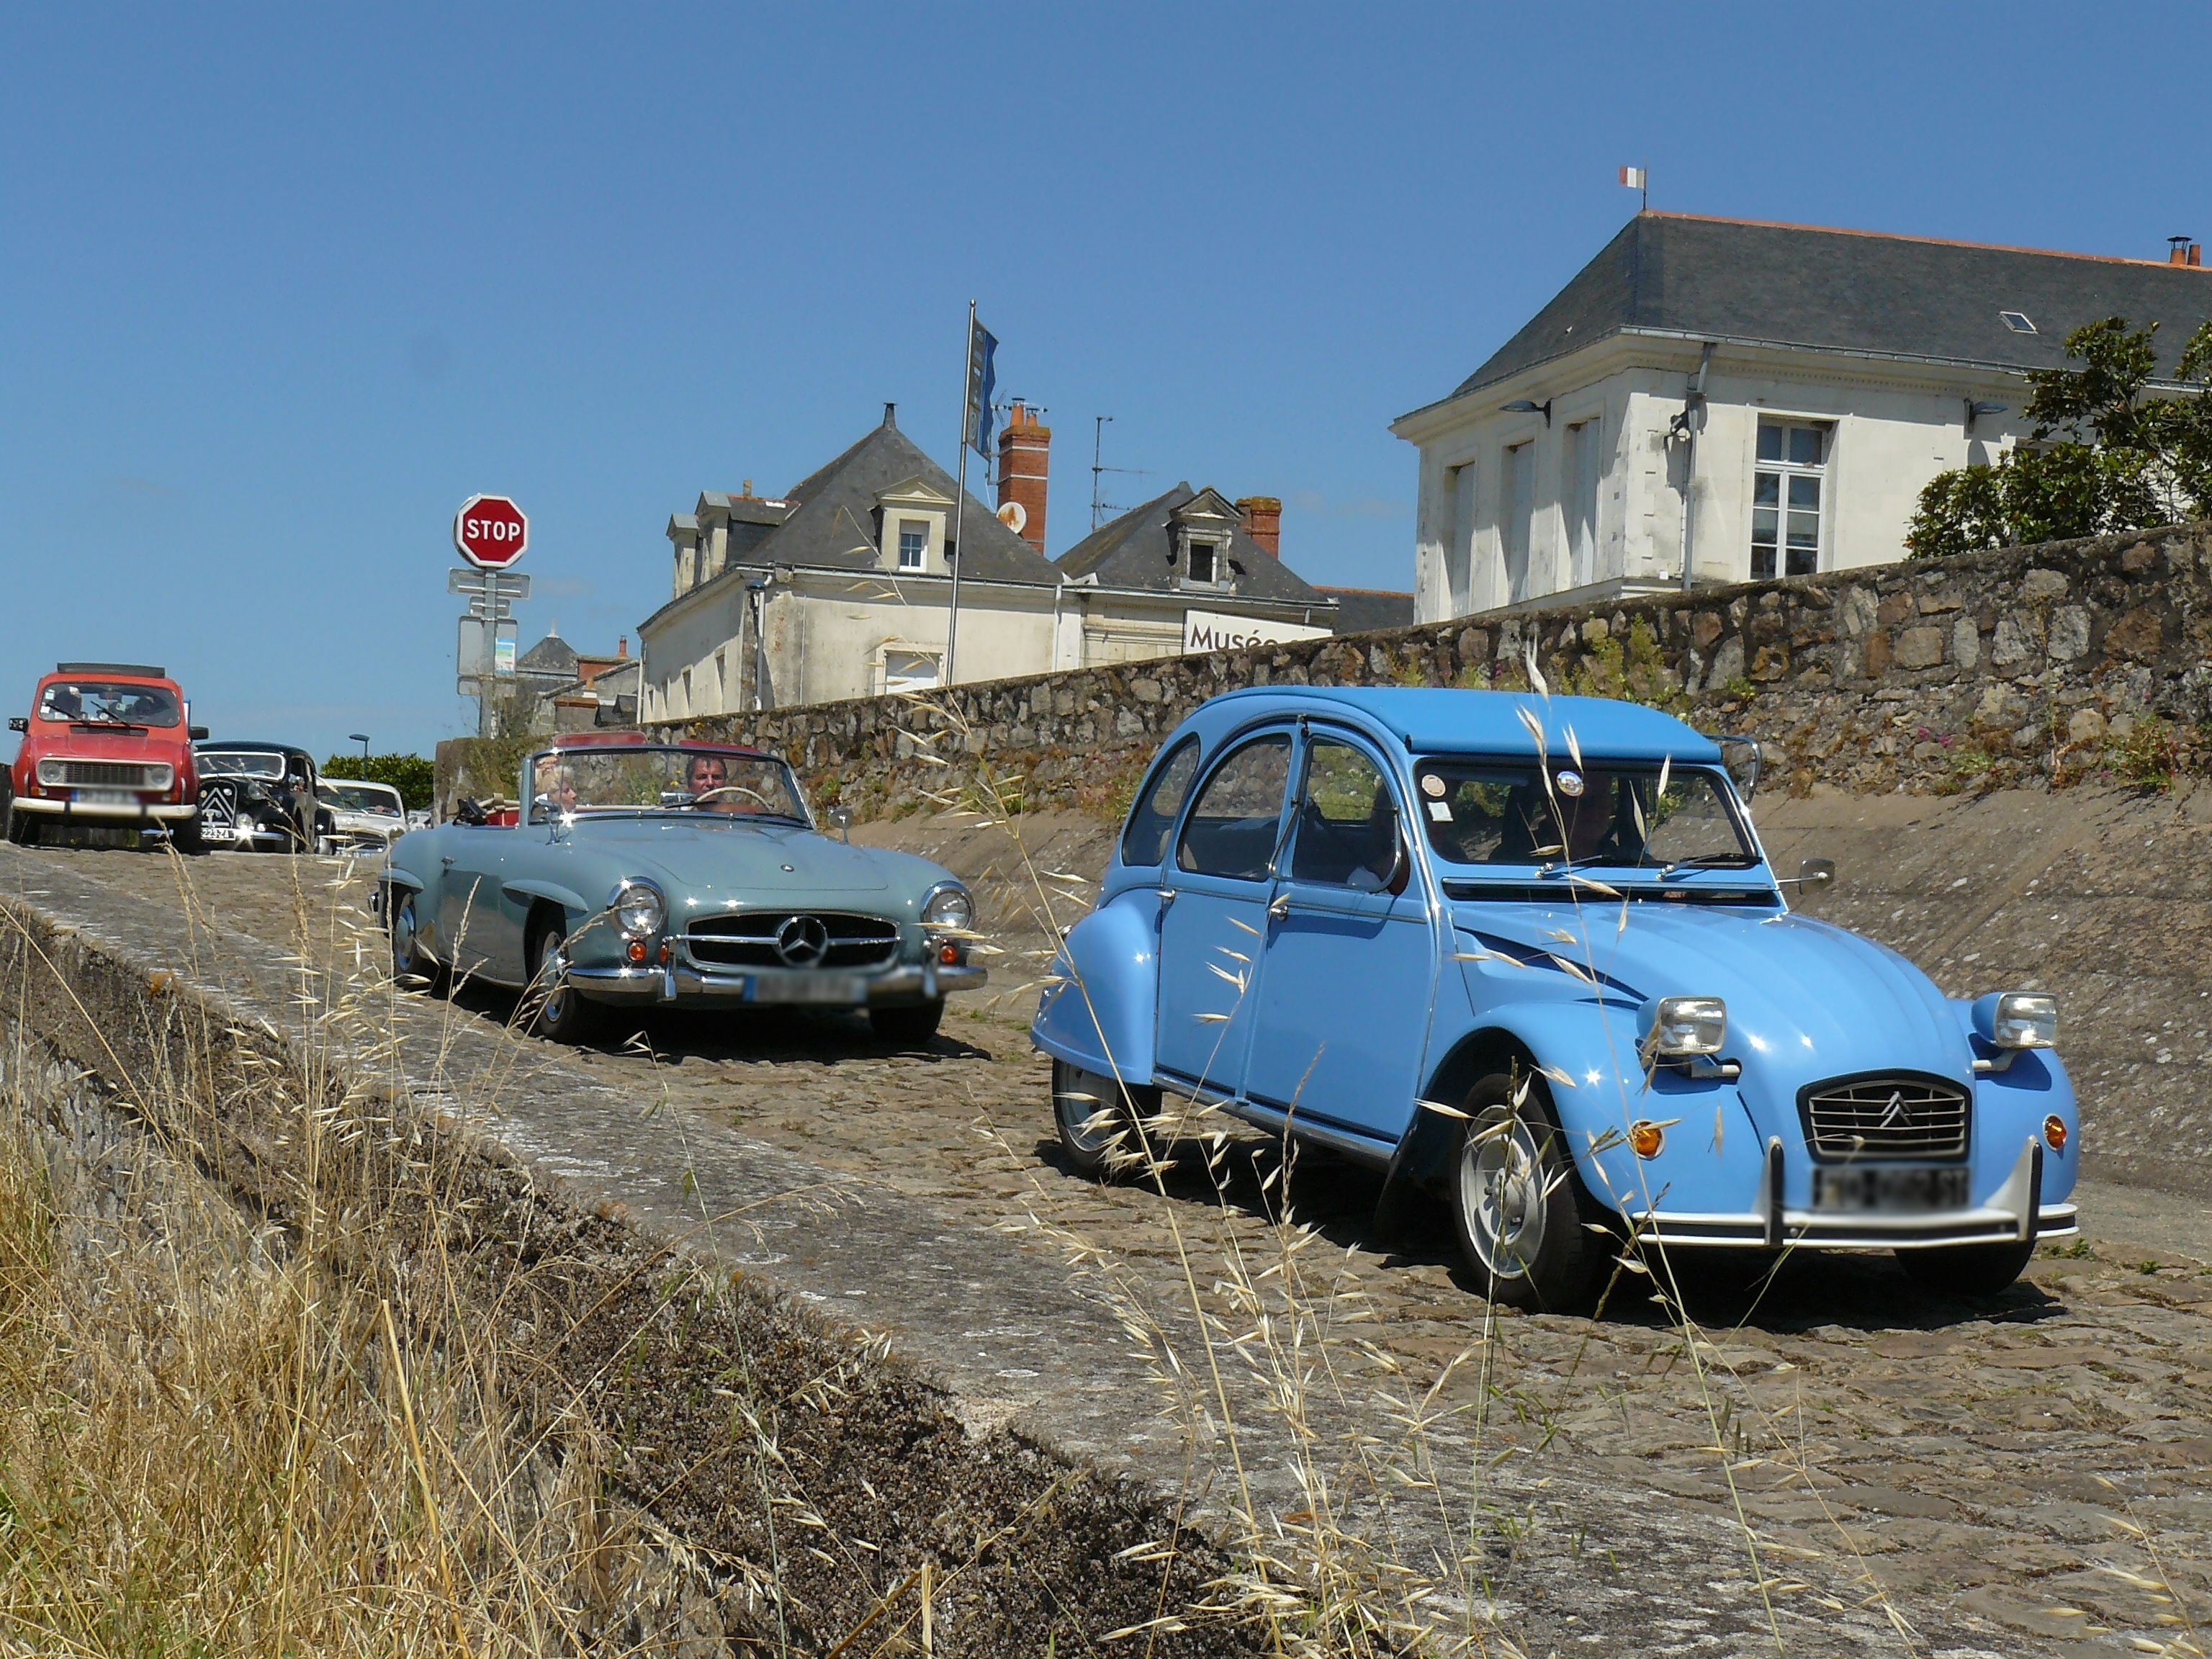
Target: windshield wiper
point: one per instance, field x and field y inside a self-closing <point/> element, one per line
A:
<point x="1712" y="861"/>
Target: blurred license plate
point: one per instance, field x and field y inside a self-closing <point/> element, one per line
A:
<point x="103" y="798"/>
<point x="840" y="989"/>
<point x="1877" y="1187"/>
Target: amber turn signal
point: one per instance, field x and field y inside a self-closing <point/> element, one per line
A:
<point x="2054" y="1133"/>
<point x="637" y="950"/>
<point x="949" y="954"/>
<point x="667" y="950"/>
<point x="1646" y="1137"/>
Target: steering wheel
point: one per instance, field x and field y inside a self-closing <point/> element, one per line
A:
<point x="733" y="790"/>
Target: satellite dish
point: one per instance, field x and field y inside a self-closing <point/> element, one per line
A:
<point x="1015" y="517"/>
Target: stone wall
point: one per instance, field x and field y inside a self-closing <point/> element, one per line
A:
<point x="1985" y="671"/>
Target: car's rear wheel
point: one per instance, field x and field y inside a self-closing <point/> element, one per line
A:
<point x="1968" y="1270"/>
<point x="907" y="1028"/>
<point x="562" y="1012"/>
<point x="1102" y="1120"/>
<point x="1518" y="1205"/>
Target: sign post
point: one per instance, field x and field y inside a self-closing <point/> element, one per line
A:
<point x="491" y="532"/>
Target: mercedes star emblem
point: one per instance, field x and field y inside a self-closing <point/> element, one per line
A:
<point x="802" y="941"/>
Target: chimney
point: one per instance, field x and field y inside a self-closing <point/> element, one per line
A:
<point x="890" y="414"/>
<point x="2196" y="253"/>
<point x="621" y="648"/>
<point x="1024" y="461"/>
<point x="1263" y="522"/>
<point x="2177" y="250"/>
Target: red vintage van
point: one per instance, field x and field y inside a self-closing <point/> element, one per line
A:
<point x="107" y="745"/>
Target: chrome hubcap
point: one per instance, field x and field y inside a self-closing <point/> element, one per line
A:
<point x="403" y="936"/>
<point x="1501" y="1175"/>
<point x="553" y="979"/>
<point x="1084" y="1101"/>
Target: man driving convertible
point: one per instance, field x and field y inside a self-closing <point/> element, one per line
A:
<point x="708" y="776"/>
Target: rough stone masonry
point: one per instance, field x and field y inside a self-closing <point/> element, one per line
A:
<point x="1983" y="671"/>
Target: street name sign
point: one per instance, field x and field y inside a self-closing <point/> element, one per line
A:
<point x="490" y="532"/>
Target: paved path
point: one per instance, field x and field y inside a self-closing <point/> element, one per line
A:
<point x="1921" y="1476"/>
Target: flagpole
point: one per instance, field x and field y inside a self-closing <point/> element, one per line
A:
<point x="960" y="500"/>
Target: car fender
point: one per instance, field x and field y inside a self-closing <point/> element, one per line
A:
<point x="1098" y="1012"/>
<point x="528" y="891"/>
<point x="1710" y="1157"/>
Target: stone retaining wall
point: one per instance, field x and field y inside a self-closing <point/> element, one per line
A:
<point x="1983" y="671"/>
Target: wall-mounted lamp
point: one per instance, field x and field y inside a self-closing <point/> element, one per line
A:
<point x="1976" y="409"/>
<point x="1523" y="406"/>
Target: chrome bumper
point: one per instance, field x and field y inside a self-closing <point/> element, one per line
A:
<point x="924" y="982"/>
<point x="2014" y="1213"/>
<point x="77" y="811"/>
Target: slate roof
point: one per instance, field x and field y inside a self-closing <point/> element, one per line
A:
<point x="831" y="522"/>
<point x="550" y="655"/>
<point x="1744" y="282"/>
<point x="1133" y="551"/>
<point x="1363" y="610"/>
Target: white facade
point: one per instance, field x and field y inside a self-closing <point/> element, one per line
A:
<point x="1514" y="509"/>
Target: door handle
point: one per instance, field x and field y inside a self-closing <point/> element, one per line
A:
<point x="1281" y="909"/>
<point x="445" y="864"/>
<point x="1165" y="895"/>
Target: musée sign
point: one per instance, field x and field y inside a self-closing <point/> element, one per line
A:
<point x="490" y="532"/>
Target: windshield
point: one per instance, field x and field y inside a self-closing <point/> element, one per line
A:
<point x="240" y="763"/>
<point x="1600" y="813"/>
<point x="363" y="798"/>
<point x="107" y="702"/>
<point x="708" y="781"/>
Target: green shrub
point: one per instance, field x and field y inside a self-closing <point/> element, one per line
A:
<point x="414" y="777"/>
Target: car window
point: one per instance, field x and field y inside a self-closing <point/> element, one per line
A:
<point x="1603" y="813"/>
<point x="107" y="702"/>
<point x="1145" y="840"/>
<point x="1348" y="832"/>
<point x="240" y="763"/>
<point x="1233" y="827"/>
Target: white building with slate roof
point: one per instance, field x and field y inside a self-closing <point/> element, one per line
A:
<point x="842" y="586"/>
<point x="1840" y="371"/>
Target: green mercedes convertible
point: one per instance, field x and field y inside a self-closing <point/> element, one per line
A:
<point x="644" y="874"/>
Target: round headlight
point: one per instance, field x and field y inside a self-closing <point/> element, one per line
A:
<point x="949" y="908"/>
<point x="638" y="909"/>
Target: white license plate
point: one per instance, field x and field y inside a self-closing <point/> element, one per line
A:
<point x="841" y="990"/>
<point x="104" y="797"/>
<point x="1886" y="1188"/>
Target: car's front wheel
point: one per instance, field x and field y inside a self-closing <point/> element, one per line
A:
<point x="22" y="827"/>
<point x="907" y="1028"/>
<point x="1968" y="1270"/>
<point x="185" y="837"/>
<point x="1102" y="1120"/>
<point x="1517" y="1202"/>
<point x="562" y="1012"/>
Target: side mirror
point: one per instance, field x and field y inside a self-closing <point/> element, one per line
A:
<point x="842" y="817"/>
<point x="467" y="810"/>
<point x="19" y="723"/>
<point x="197" y="733"/>
<point x="1815" y="874"/>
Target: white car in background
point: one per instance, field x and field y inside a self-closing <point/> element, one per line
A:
<point x="363" y="814"/>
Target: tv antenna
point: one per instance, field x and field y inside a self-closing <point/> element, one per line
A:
<point x="1100" y="507"/>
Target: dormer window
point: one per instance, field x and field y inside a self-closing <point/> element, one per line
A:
<point x="913" y="543"/>
<point x="1204" y="557"/>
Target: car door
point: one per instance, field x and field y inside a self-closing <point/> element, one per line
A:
<point x="1214" y="892"/>
<point x="1348" y="972"/>
<point x="472" y="865"/>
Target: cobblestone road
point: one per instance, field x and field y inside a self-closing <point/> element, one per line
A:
<point x="1921" y="1476"/>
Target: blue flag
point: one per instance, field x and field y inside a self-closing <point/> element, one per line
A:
<point x="982" y="380"/>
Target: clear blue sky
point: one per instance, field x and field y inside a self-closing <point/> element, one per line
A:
<point x="279" y="286"/>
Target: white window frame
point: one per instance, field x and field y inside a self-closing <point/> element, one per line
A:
<point x="1822" y="473"/>
<point x="1216" y="553"/>
<point x="918" y="528"/>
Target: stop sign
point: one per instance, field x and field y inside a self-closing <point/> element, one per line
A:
<point x="490" y="532"/>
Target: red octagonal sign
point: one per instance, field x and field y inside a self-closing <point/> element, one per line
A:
<point x="490" y="532"/>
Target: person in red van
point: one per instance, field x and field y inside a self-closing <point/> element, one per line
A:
<point x="105" y="746"/>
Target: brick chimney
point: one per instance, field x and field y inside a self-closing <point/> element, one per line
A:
<point x="1263" y="521"/>
<point x="1024" y="459"/>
